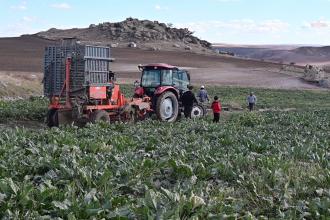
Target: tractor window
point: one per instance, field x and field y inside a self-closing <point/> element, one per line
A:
<point x="167" y="78"/>
<point x="150" y="78"/>
<point x="180" y="80"/>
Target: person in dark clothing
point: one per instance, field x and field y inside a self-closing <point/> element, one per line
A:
<point x="216" y="108"/>
<point x="188" y="99"/>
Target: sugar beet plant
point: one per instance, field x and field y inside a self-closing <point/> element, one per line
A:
<point x="260" y="165"/>
<point x="35" y="108"/>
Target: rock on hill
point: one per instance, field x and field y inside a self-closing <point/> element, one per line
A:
<point x="133" y="32"/>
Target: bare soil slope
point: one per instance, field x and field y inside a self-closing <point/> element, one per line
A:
<point x="25" y="54"/>
<point x="22" y="53"/>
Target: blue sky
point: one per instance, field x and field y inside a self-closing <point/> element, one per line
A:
<point x="218" y="21"/>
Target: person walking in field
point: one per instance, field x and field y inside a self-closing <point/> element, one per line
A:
<point x="202" y="95"/>
<point x="251" y="100"/>
<point x="188" y="99"/>
<point x="216" y="108"/>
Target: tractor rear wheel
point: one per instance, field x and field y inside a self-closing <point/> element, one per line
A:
<point x="100" y="115"/>
<point x="198" y="111"/>
<point x="167" y="107"/>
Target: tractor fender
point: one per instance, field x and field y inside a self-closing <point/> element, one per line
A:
<point x="160" y="90"/>
<point x="138" y="92"/>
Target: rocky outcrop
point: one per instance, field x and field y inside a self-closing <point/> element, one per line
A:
<point x="131" y="30"/>
<point x="313" y="73"/>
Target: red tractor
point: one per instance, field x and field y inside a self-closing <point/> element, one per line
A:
<point x="165" y="84"/>
<point x="81" y="87"/>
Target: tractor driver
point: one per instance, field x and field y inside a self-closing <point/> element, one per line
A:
<point x="188" y="99"/>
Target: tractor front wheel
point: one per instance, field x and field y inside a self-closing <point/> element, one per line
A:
<point x="167" y="107"/>
<point x="197" y="111"/>
<point x="100" y="115"/>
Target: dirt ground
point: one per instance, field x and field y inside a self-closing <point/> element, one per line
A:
<point x="209" y="69"/>
<point x="25" y="55"/>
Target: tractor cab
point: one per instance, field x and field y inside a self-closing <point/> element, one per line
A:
<point x="164" y="84"/>
<point x="156" y="77"/>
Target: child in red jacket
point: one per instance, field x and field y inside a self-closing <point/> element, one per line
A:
<point x="216" y="107"/>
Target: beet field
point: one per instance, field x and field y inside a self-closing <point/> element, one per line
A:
<point x="273" y="163"/>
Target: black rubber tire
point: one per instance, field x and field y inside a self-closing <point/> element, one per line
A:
<point x="175" y="106"/>
<point x="100" y="115"/>
<point x="52" y="118"/>
<point x="202" y="111"/>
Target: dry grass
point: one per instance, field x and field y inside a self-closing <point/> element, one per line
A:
<point x="20" y="84"/>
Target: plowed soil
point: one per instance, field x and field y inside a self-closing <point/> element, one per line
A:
<point x="25" y="54"/>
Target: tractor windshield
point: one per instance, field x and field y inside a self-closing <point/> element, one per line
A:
<point x="154" y="78"/>
<point x="150" y="78"/>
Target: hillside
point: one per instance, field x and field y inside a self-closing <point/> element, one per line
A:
<point x="144" y="33"/>
<point x="24" y="55"/>
<point x="288" y="54"/>
<point x="322" y="52"/>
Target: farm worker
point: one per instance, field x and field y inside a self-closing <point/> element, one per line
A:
<point x="188" y="99"/>
<point x="251" y="100"/>
<point x="202" y="95"/>
<point x="136" y="83"/>
<point x="216" y="108"/>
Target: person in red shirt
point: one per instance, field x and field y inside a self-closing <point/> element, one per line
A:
<point x="216" y="107"/>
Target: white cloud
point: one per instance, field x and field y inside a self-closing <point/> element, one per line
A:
<point x="23" y="26"/>
<point x="242" y="25"/>
<point x="20" y="26"/>
<point x="161" y="8"/>
<point x="20" y="7"/>
<point x="28" y="18"/>
<point x="239" y="30"/>
<point x="157" y="7"/>
<point x="62" y="6"/>
<point x="319" y="24"/>
<point x="273" y="26"/>
<point x="227" y="0"/>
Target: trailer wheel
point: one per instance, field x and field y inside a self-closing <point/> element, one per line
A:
<point x="52" y="118"/>
<point x="100" y="115"/>
<point x="198" y="111"/>
<point x="167" y="107"/>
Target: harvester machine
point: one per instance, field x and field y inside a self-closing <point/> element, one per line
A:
<point x="81" y="88"/>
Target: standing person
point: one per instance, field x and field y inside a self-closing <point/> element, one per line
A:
<point x="136" y="84"/>
<point x="188" y="99"/>
<point x="216" y="108"/>
<point x="202" y="95"/>
<point x="251" y="100"/>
